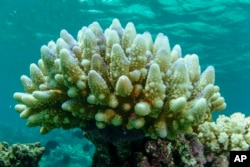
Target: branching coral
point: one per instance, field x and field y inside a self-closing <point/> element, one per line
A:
<point x="120" y="78"/>
<point x="226" y="134"/>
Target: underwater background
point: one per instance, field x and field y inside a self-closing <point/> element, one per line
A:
<point x="218" y="31"/>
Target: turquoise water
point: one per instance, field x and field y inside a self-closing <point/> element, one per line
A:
<point x="217" y="30"/>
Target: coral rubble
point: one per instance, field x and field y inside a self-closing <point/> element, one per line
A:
<point x="20" y="155"/>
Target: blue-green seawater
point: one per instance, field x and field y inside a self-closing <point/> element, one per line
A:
<point x="217" y="30"/>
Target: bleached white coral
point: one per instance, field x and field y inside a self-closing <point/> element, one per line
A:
<point x="226" y="134"/>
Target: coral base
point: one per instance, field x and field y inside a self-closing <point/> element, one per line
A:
<point x="131" y="149"/>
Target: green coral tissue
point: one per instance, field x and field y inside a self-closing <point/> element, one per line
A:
<point x="117" y="77"/>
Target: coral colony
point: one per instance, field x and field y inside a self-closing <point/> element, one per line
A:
<point x="118" y="80"/>
<point x="20" y="154"/>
